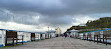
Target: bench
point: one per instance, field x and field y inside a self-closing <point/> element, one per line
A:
<point x="12" y="35"/>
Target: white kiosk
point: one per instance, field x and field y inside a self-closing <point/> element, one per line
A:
<point x="2" y="37"/>
<point x="74" y="33"/>
<point x="26" y="35"/>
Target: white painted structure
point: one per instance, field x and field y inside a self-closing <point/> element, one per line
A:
<point x="42" y="36"/>
<point x="81" y="35"/>
<point x="74" y="33"/>
<point x="37" y="35"/>
<point x="47" y="35"/>
<point x="58" y="31"/>
<point x="26" y="35"/>
<point x="19" y="33"/>
<point x="51" y="33"/>
<point x="26" y="38"/>
<point x="2" y="37"/>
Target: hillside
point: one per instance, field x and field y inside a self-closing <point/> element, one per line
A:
<point x="104" y="22"/>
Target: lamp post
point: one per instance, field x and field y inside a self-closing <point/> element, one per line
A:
<point x="48" y="28"/>
<point x="48" y="32"/>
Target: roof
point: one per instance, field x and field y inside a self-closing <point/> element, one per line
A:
<point x="2" y="29"/>
<point x="12" y="30"/>
<point x="25" y="31"/>
<point x="50" y="31"/>
<point x="74" y="30"/>
<point x="98" y="30"/>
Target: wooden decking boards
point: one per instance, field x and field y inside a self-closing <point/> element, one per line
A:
<point x="61" y="43"/>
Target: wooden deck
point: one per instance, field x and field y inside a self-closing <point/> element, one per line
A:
<point x="61" y="43"/>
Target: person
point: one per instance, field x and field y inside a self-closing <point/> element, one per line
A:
<point x="65" y="34"/>
<point x="57" y="35"/>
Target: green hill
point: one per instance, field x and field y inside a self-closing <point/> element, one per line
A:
<point x="104" y="22"/>
<point x="100" y="23"/>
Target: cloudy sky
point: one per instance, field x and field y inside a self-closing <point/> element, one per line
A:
<point x="38" y="15"/>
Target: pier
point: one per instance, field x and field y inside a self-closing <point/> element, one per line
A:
<point x="60" y="43"/>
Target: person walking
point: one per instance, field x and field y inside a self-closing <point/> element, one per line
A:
<point x="65" y="34"/>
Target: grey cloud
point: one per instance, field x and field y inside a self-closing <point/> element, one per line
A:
<point x="59" y="7"/>
<point x="57" y="21"/>
<point x="51" y="12"/>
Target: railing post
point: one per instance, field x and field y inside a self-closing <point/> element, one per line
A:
<point x="97" y="39"/>
<point x="103" y="39"/>
<point x="13" y="41"/>
<point x="22" y="39"/>
<point x="16" y="41"/>
<point x="94" y="38"/>
<point x="6" y="41"/>
<point x="106" y="39"/>
<point x="83" y="37"/>
<point x="100" y="38"/>
<point x="91" y="37"/>
<point x="87" y="37"/>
